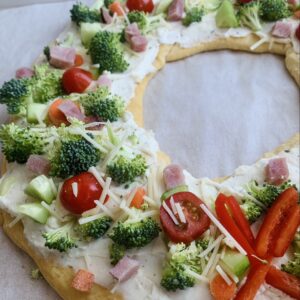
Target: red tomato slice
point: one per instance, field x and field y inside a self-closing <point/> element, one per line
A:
<point x="141" y="5"/>
<point x="286" y="231"/>
<point x="196" y="220"/>
<point x="255" y="279"/>
<point x="273" y="220"/>
<point x="76" y="80"/>
<point x="285" y="282"/>
<point x="229" y="223"/>
<point x="89" y="190"/>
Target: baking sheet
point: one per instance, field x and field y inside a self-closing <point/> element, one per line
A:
<point x="211" y="113"/>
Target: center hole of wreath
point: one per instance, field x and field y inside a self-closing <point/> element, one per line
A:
<point x="215" y="111"/>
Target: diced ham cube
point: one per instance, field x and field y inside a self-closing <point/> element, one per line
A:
<point x="138" y="43"/>
<point x="176" y="10"/>
<point x="173" y="176"/>
<point x="24" y="73"/>
<point x="107" y="18"/>
<point x="282" y="29"/>
<point x="83" y="281"/>
<point x="38" y="164"/>
<point x="62" y="57"/>
<point x="131" y="30"/>
<point x="71" y="110"/>
<point x="277" y="171"/>
<point x="103" y="80"/>
<point x="125" y="269"/>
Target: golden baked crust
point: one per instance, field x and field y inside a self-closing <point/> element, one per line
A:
<point x="60" y="277"/>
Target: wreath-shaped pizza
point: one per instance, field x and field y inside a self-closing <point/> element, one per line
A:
<point x="89" y="196"/>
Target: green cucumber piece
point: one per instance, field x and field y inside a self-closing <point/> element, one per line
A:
<point x="225" y="17"/>
<point x="34" y="111"/>
<point x="87" y="32"/>
<point x="112" y="137"/>
<point x="236" y="262"/>
<point x="6" y="184"/>
<point x="177" y="189"/>
<point x="35" y="211"/>
<point x="41" y="188"/>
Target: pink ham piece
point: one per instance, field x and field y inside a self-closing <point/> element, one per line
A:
<point x="131" y="30"/>
<point x="173" y="176"/>
<point x="24" y="73"/>
<point x="277" y="171"/>
<point x="124" y="269"/>
<point x="138" y="43"/>
<point x="103" y="80"/>
<point x="71" y="110"/>
<point x="93" y="119"/>
<point x="62" y="57"/>
<point x="107" y="18"/>
<point x="282" y="29"/>
<point x="38" y="164"/>
<point x="176" y="10"/>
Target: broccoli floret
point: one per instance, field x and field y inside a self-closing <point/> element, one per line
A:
<point x="46" y="84"/>
<point x="193" y="15"/>
<point x="266" y="193"/>
<point x="36" y="274"/>
<point x="82" y="13"/>
<point x="14" y="94"/>
<point x="202" y="243"/>
<point x="73" y="156"/>
<point x="296" y="242"/>
<point x="125" y="170"/>
<point x="135" y="234"/>
<point x="293" y="266"/>
<point x="274" y="10"/>
<point x="106" y="50"/>
<point x="61" y="239"/>
<point x="175" y="277"/>
<point x="252" y="210"/>
<point x="249" y="15"/>
<point x="138" y="17"/>
<point x="116" y="252"/>
<point x="19" y="143"/>
<point x="94" y="229"/>
<point x="103" y="104"/>
<point x="46" y="52"/>
<point x="181" y="259"/>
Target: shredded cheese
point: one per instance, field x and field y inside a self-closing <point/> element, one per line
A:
<point x="216" y="243"/>
<point x="150" y="201"/>
<point x="180" y="213"/>
<point x="173" y="206"/>
<point x="75" y="189"/>
<point x="213" y="266"/>
<point x="168" y="210"/>
<point x="105" y="209"/>
<point x="85" y="220"/>
<point x="195" y="275"/>
<point x="223" y="229"/>
<point x="105" y="190"/>
<point x="263" y="39"/>
<point x="15" y="221"/>
<point x="223" y="275"/>
<point x="52" y="211"/>
<point x="131" y="196"/>
<point x="214" y="257"/>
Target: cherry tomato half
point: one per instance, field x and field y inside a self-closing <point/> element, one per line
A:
<point x="196" y="220"/>
<point x="141" y="5"/>
<point x="76" y="80"/>
<point x="89" y="190"/>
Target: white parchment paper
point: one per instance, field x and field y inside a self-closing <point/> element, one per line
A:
<point x="211" y="113"/>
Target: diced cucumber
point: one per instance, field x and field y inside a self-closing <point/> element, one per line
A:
<point x="169" y="193"/>
<point x="87" y="32"/>
<point x="236" y="262"/>
<point x="162" y="6"/>
<point x="35" y="111"/>
<point x="6" y="184"/>
<point x="41" y="188"/>
<point x="35" y="211"/>
<point x="225" y="17"/>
